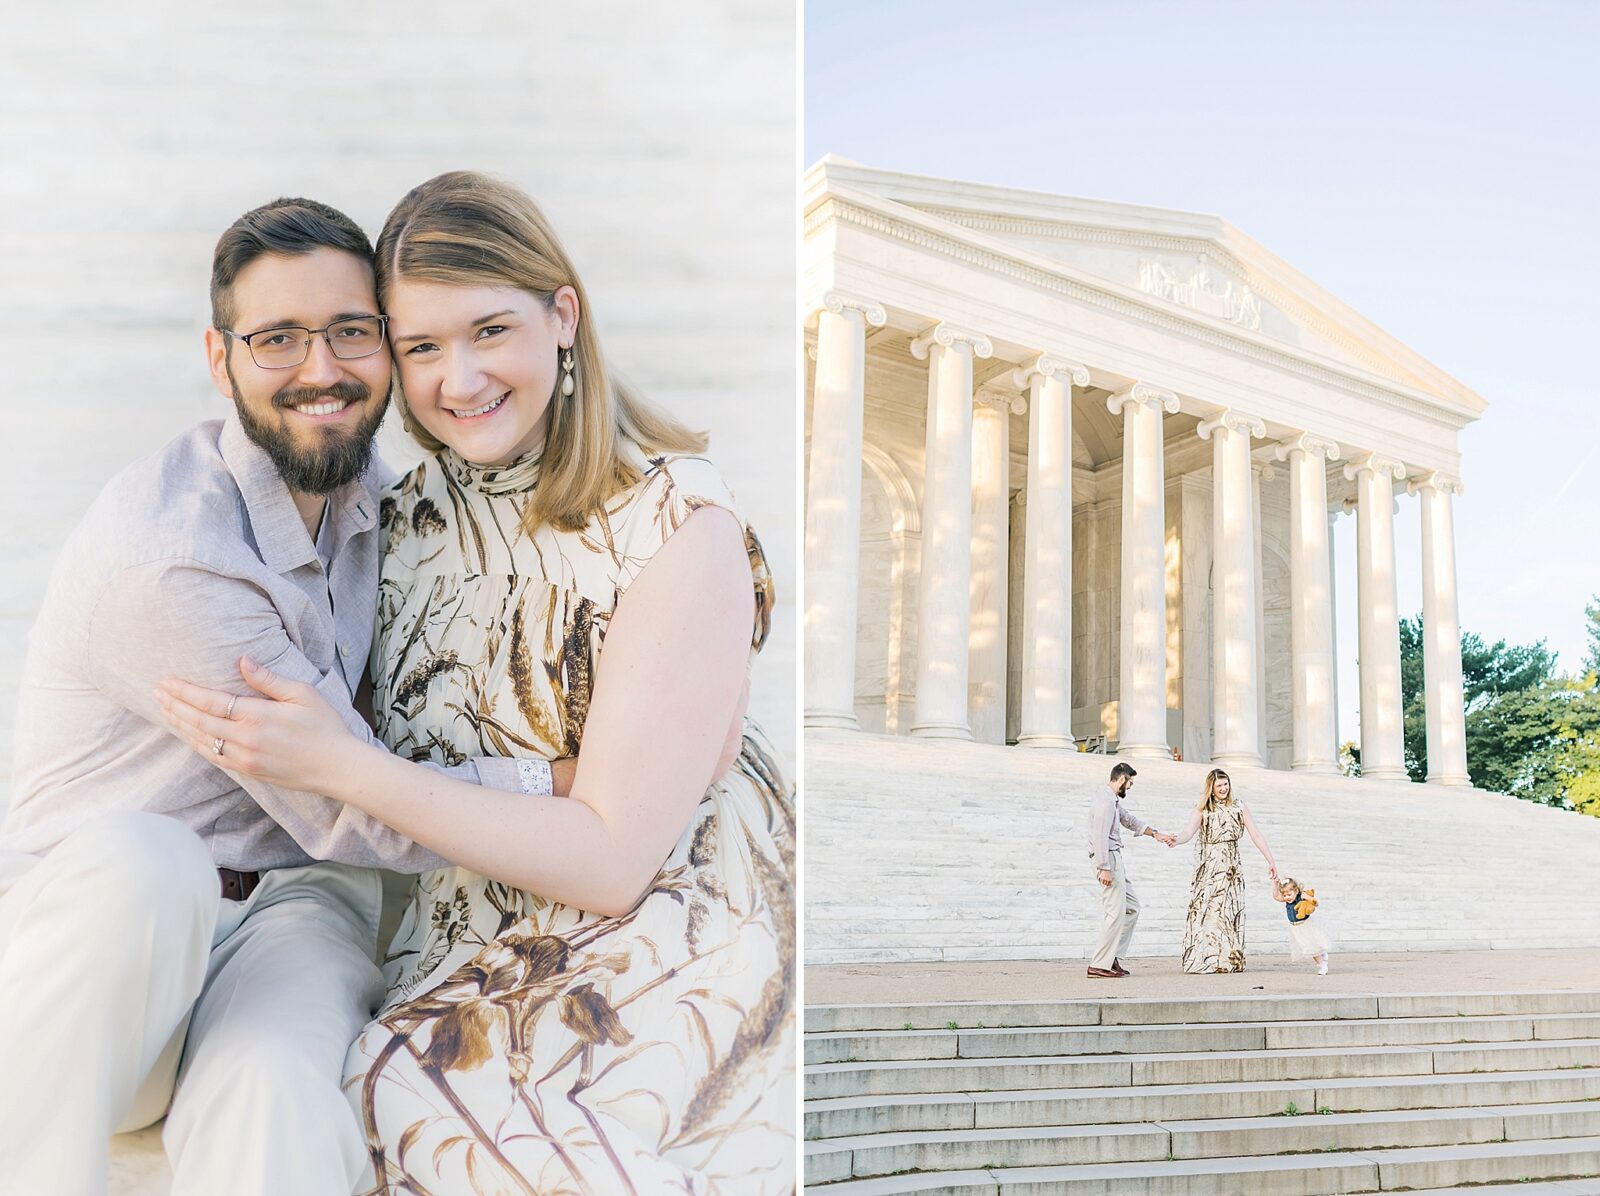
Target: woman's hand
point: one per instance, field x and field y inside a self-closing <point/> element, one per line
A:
<point x="290" y="737"/>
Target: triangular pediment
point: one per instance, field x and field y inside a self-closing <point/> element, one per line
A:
<point x="1191" y="264"/>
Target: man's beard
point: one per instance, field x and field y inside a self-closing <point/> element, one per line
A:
<point x="336" y="460"/>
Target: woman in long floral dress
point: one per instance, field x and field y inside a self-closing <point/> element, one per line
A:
<point x="563" y="577"/>
<point x="1213" y="931"/>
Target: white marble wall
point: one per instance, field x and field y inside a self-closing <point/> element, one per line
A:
<point x="660" y="140"/>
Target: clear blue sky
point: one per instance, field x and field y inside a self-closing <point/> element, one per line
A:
<point x="1435" y="165"/>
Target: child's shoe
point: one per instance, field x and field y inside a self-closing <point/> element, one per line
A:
<point x="1322" y="967"/>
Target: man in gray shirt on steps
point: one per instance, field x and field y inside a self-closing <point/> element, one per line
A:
<point x="1107" y="817"/>
<point x="171" y="931"/>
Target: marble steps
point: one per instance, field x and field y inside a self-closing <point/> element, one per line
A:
<point x="997" y="1042"/>
<point x="875" y="1155"/>
<point x="977" y="853"/>
<point x="899" y="1076"/>
<point x="1327" y="1173"/>
<point x="1016" y="1109"/>
<point x="1321" y="1094"/>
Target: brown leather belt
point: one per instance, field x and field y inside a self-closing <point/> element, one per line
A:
<point x="236" y="886"/>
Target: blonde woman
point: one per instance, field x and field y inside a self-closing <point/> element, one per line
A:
<point x="1213" y="931"/>
<point x="595" y="995"/>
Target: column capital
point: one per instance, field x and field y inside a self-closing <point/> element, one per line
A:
<point x="1440" y="483"/>
<point x="986" y="397"/>
<point x="839" y="302"/>
<point x="1374" y="463"/>
<point x="950" y="336"/>
<point x="1307" y="442"/>
<point x="999" y="398"/>
<point x="1265" y="470"/>
<point x="1050" y="365"/>
<point x="1236" y="421"/>
<point x="1145" y="394"/>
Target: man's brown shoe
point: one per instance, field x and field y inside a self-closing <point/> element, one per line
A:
<point x="1116" y="966"/>
<point x="1105" y="974"/>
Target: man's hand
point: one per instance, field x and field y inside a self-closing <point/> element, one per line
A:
<point x="1169" y="839"/>
<point x="1105" y="877"/>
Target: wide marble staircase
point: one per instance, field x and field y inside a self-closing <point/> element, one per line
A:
<point x="1486" y="1092"/>
<point x="921" y="850"/>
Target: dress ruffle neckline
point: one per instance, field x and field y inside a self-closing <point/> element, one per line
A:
<point x="517" y="477"/>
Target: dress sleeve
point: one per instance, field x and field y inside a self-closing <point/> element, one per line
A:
<point x="672" y="490"/>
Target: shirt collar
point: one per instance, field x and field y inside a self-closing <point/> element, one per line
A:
<point x="280" y="533"/>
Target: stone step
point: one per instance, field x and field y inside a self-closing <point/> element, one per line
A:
<point x="1221" y="1137"/>
<point x="846" y="1116"/>
<point x="852" y="1115"/>
<point x="1127" y="1011"/>
<point x="1076" y="950"/>
<point x="867" y="1046"/>
<point x="1320" y="1174"/>
<point x="1551" y="1187"/>
<point x="1191" y="1067"/>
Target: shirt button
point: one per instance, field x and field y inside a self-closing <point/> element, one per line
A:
<point x="347" y="649"/>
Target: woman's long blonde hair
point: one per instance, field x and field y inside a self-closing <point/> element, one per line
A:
<point x="1209" y="801"/>
<point x="468" y="229"/>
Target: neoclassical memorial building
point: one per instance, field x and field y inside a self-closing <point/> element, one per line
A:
<point x="1072" y="467"/>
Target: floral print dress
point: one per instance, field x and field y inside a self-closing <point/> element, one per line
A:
<point x="526" y="1046"/>
<point x="1213" y="932"/>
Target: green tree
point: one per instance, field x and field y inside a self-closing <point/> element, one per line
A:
<point x="1591" y="663"/>
<point x="1489" y="674"/>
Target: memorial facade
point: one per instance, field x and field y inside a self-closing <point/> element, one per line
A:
<point x="1071" y="472"/>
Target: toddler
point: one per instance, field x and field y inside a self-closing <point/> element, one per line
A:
<point x="1307" y="939"/>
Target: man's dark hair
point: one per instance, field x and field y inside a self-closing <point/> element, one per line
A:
<point x="287" y="226"/>
<point x="1119" y="769"/>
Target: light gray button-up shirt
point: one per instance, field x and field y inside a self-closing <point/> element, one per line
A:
<point x="1106" y="818"/>
<point x="187" y="561"/>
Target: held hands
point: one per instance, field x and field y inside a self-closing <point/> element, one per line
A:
<point x="289" y="737"/>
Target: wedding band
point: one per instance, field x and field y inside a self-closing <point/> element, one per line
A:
<point x="216" y="746"/>
<point x="232" y="702"/>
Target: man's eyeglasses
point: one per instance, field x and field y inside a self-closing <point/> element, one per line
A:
<point x="289" y="346"/>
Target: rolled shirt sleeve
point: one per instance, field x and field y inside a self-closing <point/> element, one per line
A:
<point x="1129" y="822"/>
<point x="146" y="627"/>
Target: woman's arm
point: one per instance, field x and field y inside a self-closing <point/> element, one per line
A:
<point x="1189" y="828"/>
<point x="669" y="678"/>
<point x="1259" y="840"/>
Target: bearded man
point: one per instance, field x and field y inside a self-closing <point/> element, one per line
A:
<point x="172" y="933"/>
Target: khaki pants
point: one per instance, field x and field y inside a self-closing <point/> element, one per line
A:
<point x="129" y="989"/>
<point x="1121" y="906"/>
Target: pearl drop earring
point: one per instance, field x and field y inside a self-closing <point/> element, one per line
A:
<point x="568" y="385"/>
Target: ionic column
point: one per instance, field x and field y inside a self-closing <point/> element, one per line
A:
<point x="1142" y="703"/>
<point x="944" y="611"/>
<point x="1259" y="474"/>
<point x="833" y="509"/>
<point x="1441" y="634"/>
<point x="1333" y="583"/>
<point x="1311" y="645"/>
<point x="1047" y="554"/>
<point x="991" y="563"/>
<point x="1235" y="733"/>
<point x="1382" y="725"/>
